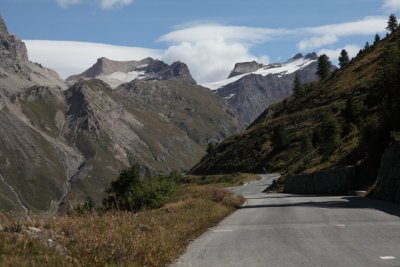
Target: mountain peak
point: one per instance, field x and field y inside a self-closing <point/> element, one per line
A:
<point x="245" y="67"/>
<point x="12" y="50"/>
<point x="309" y="56"/>
<point x="312" y="56"/>
<point x="296" y="57"/>
<point x="3" y="27"/>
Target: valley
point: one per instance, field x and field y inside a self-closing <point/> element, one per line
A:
<point x="208" y="147"/>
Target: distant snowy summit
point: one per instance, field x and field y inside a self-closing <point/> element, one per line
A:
<point x="243" y="69"/>
<point x="251" y="86"/>
<point x="116" y="73"/>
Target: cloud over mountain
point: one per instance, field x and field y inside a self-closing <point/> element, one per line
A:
<point x="391" y="5"/>
<point x="104" y="4"/>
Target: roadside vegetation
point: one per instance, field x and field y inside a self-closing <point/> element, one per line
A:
<point x="143" y="221"/>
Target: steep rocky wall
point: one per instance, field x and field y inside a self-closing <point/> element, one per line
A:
<point x="330" y="182"/>
<point x="387" y="186"/>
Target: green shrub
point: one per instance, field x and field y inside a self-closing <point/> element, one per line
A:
<point x="355" y="108"/>
<point x="280" y="136"/>
<point x="306" y="142"/>
<point x="395" y="136"/>
<point x="371" y="129"/>
<point x="133" y="192"/>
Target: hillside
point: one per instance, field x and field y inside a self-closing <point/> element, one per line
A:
<point x="344" y="120"/>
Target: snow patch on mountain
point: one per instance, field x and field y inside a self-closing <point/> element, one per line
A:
<point x="282" y="69"/>
<point x="117" y="78"/>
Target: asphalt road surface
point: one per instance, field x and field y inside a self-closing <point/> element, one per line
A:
<point x="292" y="230"/>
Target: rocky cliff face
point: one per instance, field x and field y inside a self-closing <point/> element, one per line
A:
<point x="245" y="67"/>
<point x="387" y="186"/>
<point x="16" y="71"/>
<point x="12" y="50"/>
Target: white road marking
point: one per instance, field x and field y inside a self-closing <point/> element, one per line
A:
<point x="219" y="231"/>
<point x="387" y="258"/>
<point x="340" y="225"/>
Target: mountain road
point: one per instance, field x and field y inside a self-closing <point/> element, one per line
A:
<point x="296" y="230"/>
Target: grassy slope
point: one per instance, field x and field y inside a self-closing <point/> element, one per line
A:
<point x="255" y="149"/>
<point x="148" y="238"/>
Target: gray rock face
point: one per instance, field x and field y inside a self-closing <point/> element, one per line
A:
<point x="195" y="110"/>
<point x="12" y="50"/>
<point x="176" y="70"/>
<point x="387" y="186"/>
<point x="245" y="67"/>
<point x="105" y="66"/>
<point x="16" y="71"/>
<point x="253" y="93"/>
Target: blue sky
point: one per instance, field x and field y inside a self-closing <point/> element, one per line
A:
<point x="210" y="36"/>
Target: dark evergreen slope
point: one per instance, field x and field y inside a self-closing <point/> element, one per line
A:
<point x="344" y="120"/>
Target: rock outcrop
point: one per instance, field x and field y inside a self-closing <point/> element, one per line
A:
<point x="387" y="186"/>
<point x="16" y="71"/>
<point x="12" y="50"/>
<point x="245" y="67"/>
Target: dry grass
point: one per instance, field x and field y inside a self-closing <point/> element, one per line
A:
<point x="222" y="180"/>
<point x="148" y="238"/>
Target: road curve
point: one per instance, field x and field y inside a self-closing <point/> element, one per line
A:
<point x="291" y="230"/>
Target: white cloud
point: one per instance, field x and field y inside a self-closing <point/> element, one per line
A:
<point x="366" y="26"/>
<point x="331" y="33"/>
<point x="211" y="50"/>
<point x="203" y="32"/>
<point x="316" y="42"/>
<point x="107" y="4"/>
<point x="69" y="58"/>
<point x="391" y="5"/>
<point x="333" y="54"/>
<point x="66" y="3"/>
<point x="208" y="60"/>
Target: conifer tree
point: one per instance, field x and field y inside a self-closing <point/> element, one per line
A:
<point x="324" y="67"/>
<point x="367" y="46"/>
<point x="298" y="88"/>
<point x="343" y="58"/>
<point x="377" y="39"/>
<point x="392" y="23"/>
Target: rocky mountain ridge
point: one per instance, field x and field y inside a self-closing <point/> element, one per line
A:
<point x="116" y="73"/>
